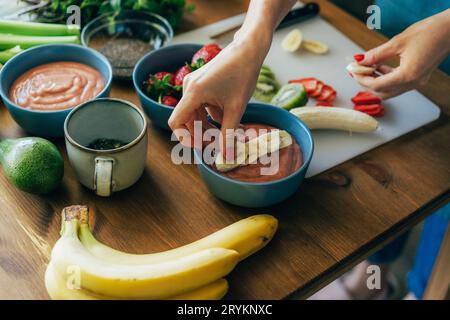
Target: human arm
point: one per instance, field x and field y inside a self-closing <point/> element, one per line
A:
<point x="224" y="85"/>
<point x="421" y="48"/>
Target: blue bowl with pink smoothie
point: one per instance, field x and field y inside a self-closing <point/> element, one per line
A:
<point x="48" y="123"/>
<point x="262" y="194"/>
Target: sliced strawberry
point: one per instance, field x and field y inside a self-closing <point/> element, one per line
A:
<point x="310" y="84"/>
<point x="207" y="53"/>
<point x="327" y="92"/>
<point x="365" y="97"/>
<point x="181" y="73"/>
<point x="169" y="101"/>
<point x="367" y="107"/>
<point x="374" y="110"/>
<point x="318" y="90"/>
<point x="331" y="98"/>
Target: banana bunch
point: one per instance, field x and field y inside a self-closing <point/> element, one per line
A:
<point x="82" y="268"/>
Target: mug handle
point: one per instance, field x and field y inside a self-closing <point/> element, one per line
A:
<point x="103" y="181"/>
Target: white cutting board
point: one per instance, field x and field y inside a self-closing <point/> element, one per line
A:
<point x="403" y="114"/>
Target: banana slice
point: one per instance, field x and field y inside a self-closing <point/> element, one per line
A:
<point x="315" y="46"/>
<point x="292" y="41"/>
<point x="354" y="67"/>
<point x="336" y="118"/>
<point x="251" y="151"/>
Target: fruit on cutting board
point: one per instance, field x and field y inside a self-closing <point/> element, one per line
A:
<point x="190" y="272"/>
<point x="290" y="96"/>
<point x="315" y="46"/>
<point x="33" y="165"/>
<point x="292" y="41"/>
<point x="369" y="103"/>
<point x="252" y="150"/>
<point x="266" y="86"/>
<point x="356" y="68"/>
<point x="336" y="118"/>
<point x="323" y="93"/>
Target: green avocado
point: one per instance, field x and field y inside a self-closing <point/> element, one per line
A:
<point x="33" y="165"/>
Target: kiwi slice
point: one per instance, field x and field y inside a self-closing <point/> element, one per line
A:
<point x="263" y="96"/>
<point x="290" y="96"/>
<point x="266" y="86"/>
<point x="270" y="81"/>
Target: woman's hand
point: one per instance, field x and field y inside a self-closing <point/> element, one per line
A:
<point x="222" y="88"/>
<point x="421" y="48"/>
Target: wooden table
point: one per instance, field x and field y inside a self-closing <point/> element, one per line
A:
<point x="334" y="221"/>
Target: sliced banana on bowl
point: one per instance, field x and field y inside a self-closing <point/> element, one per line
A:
<point x="250" y="151"/>
<point x="356" y="68"/>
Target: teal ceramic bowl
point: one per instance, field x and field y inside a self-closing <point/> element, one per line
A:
<point x="254" y="195"/>
<point x="168" y="59"/>
<point x="48" y="123"/>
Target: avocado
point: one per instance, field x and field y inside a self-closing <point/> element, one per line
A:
<point x="33" y="165"/>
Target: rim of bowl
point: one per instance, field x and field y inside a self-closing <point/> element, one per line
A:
<point x="141" y="61"/>
<point x="306" y="162"/>
<point x="108" y="151"/>
<point x="89" y="50"/>
<point x="163" y="20"/>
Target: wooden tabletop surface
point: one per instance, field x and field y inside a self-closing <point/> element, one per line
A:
<point x="335" y="219"/>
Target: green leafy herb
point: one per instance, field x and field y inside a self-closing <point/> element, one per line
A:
<point x="156" y="89"/>
<point x="56" y="10"/>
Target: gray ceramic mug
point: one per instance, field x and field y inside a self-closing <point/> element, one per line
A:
<point x="106" y="171"/>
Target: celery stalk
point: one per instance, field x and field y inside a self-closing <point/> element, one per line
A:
<point x="8" y="54"/>
<point x="37" y="29"/>
<point x="8" y="41"/>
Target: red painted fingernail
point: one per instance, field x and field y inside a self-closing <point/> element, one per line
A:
<point x="350" y="74"/>
<point x="359" y="57"/>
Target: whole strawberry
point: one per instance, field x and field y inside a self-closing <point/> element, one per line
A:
<point x="161" y="75"/>
<point x="169" y="101"/>
<point x="181" y="73"/>
<point x="206" y="53"/>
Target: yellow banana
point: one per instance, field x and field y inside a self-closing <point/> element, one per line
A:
<point x="153" y="281"/>
<point x="245" y="236"/>
<point x="58" y="289"/>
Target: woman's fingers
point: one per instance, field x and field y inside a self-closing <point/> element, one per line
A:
<point x="381" y="53"/>
<point x="384" y="83"/>
<point x="216" y="113"/>
<point x="385" y="69"/>
<point x="230" y="123"/>
<point x="181" y="115"/>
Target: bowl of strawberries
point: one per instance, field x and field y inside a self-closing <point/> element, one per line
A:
<point x="158" y="77"/>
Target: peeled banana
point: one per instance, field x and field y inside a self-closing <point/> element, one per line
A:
<point x="250" y="151"/>
<point x="193" y="271"/>
<point x="336" y="118"/>
<point x="356" y="68"/>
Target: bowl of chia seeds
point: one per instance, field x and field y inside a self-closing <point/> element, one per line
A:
<point x="125" y="37"/>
